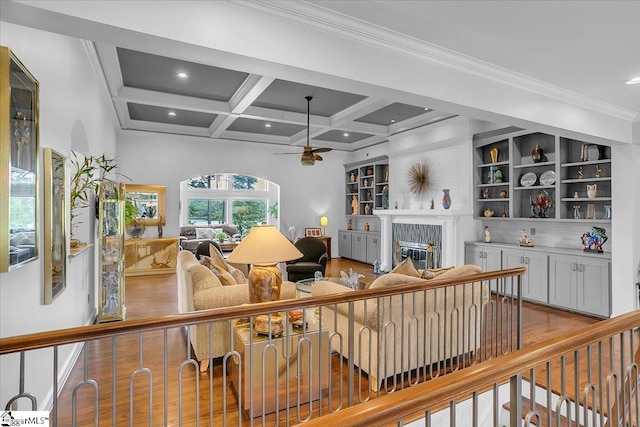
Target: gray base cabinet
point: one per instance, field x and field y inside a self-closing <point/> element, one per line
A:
<point x="360" y="246"/>
<point x="535" y="280"/>
<point x="565" y="278"/>
<point x="580" y="283"/>
<point x="485" y="256"/>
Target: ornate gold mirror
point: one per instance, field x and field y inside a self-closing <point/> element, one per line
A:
<point x="150" y="202"/>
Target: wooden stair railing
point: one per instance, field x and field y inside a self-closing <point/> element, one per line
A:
<point x="440" y="392"/>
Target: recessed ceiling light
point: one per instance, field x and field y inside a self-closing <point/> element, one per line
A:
<point x="183" y="75"/>
<point x="345" y="134"/>
<point x="393" y="120"/>
<point x="634" y="81"/>
<point x="171" y="113"/>
<point x="267" y="125"/>
<point x="426" y="108"/>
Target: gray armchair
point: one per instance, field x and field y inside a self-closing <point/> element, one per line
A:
<point x="314" y="259"/>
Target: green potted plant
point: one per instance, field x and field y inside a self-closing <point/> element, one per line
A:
<point x="89" y="172"/>
<point x="222" y="236"/>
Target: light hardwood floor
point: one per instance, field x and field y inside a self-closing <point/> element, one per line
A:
<point x="151" y="296"/>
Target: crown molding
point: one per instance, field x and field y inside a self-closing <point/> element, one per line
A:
<point x="94" y="61"/>
<point x="346" y="26"/>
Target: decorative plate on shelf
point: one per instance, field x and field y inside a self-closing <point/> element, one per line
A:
<point x="548" y="178"/>
<point x="528" y="179"/>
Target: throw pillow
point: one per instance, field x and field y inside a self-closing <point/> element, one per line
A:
<point x="202" y="278"/>
<point x="200" y="233"/>
<point x="463" y="270"/>
<point x="224" y="276"/>
<point x="209" y="234"/>
<point x="406" y="267"/>
<point x="430" y="274"/>
<point x="219" y="261"/>
<point x="393" y="279"/>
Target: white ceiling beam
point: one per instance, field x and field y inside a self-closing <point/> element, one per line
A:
<point x="220" y="124"/>
<point x="167" y="128"/>
<point x="169" y="100"/>
<point x="248" y="92"/>
<point x="431" y="116"/>
<point x="111" y="67"/>
<point x="253" y="137"/>
<point x="360" y="109"/>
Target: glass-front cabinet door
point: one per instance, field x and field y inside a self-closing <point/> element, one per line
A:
<point x="111" y="198"/>
<point x="18" y="163"/>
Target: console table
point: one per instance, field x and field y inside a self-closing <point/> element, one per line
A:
<point x="144" y="256"/>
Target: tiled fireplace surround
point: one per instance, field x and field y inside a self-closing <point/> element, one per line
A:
<point x="440" y="229"/>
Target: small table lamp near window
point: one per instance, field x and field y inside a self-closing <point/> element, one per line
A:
<point x="264" y="247"/>
<point x="324" y="221"/>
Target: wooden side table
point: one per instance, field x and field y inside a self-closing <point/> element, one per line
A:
<point x="327" y="242"/>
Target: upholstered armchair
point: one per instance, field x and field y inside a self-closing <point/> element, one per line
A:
<point x="314" y="259"/>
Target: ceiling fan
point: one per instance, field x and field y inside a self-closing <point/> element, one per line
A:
<point x="310" y="154"/>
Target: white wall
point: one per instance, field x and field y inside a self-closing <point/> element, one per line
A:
<point x="306" y="192"/>
<point x="72" y="115"/>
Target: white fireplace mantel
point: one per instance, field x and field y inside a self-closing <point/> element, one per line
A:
<point x="452" y="242"/>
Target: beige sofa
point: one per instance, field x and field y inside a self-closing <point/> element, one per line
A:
<point x="390" y="337"/>
<point x="200" y="289"/>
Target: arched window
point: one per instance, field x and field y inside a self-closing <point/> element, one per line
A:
<point x="229" y="198"/>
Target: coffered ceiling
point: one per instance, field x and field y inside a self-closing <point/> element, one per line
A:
<point x="162" y="94"/>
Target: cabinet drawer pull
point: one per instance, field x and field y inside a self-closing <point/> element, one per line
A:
<point x="581" y="268"/>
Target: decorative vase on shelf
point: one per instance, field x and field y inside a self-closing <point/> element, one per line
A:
<point x="591" y="211"/>
<point x="592" y="191"/>
<point x="494" y="152"/>
<point x="607" y="212"/>
<point x="537" y="154"/>
<point x="446" y="199"/>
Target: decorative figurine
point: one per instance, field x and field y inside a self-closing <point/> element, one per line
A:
<point x="366" y="226"/>
<point x="525" y="239"/>
<point x="487" y="234"/>
<point x="594" y="240"/>
<point x="352" y="177"/>
<point x="354" y="205"/>
<point x="503" y="194"/>
<point x="488" y="213"/>
<point x="485" y="193"/>
<point x="576" y="212"/>
<point x="350" y="224"/>
<point x="598" y="171"/>
<point x="367" y="209"/>
<point x="376" y="267"/>
<point x="580" y="173"/>
<point x="537" y="155"/>
<point x="385" y="197"/>
<point x="497" y="176"/>
<point x="576" y="195"/>
<point x="432" y="205"/>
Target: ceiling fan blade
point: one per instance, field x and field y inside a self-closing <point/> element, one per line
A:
<point x="316" y="157"/>
<point x="321" y="150"/>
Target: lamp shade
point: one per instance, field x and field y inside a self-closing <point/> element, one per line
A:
<point x="264" y="244"/>
<point x="324" y="221"/>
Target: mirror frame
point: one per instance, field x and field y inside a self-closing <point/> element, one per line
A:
<point x="161" y="191"/>
<point x="55" y="219"/>
<point x="22" y="132"/>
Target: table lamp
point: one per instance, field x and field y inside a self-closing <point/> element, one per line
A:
<point x="264" y="247"/>
<point x="324" y="221"/>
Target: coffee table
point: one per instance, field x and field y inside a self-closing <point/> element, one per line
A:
<point x="280" y="354"/>
<point x="304" y="286"/>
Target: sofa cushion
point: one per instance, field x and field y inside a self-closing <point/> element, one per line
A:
<point x="406" y="267"/>
<point x="219" y="261"/>
<point x="393" y="279"/>
<point x="202" y="278"/>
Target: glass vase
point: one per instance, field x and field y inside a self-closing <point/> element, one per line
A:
<point x="446" y="199"/>
<point x="576" y="212"/>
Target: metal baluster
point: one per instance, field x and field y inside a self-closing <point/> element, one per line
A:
<point x="336" y="334"/>
<point x="85" y="381"/>
<point x="181" y="367"/>
<point x="12" y="403"/>
<point x="132" y="377"/>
